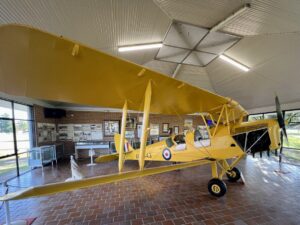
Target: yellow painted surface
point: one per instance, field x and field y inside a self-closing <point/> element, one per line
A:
<point x="49" y="189"/>
<point x="40" y="65"/>
<point x="43" y="66"/>
<point x="122" y="140"/>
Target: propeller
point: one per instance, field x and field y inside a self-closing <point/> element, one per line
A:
<point x="281" y="123"/>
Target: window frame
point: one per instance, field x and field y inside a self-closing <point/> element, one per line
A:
<point x="13" y="120"/>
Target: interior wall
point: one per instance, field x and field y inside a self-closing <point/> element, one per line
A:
<point x="82" y="117"/>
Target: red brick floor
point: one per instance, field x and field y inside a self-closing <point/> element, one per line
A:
<point x="178" y="197"/>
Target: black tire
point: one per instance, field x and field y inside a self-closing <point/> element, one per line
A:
<point x="234" y="175"/>
<point x="217" y="187"/>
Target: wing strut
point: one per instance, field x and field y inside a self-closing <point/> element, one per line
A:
<point x="144" y="135"/>
<point x="122" y="140"/>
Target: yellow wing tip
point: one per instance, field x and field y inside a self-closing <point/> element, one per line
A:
<point x="107" y="158"/>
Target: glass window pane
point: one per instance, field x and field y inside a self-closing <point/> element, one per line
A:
<point x="8" y="168"/>
<point x="255" y="117"/>
<point x="24" y="135"/>
<point x="293" y="116"/>
<point x="22" y="112"/>
<point x="270" y="116"/>
<point x="293" y="132"/>
<point x="23" y="162"/>
<point x="6" y="137"/>
<point x="5" y="109"/>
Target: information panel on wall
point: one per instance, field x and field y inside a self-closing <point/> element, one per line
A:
<point x="80" y="132"/>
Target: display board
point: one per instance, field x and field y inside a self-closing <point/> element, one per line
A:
<point x="87" y="132"/>
<point x="65" y="132"/>
<point x="154" y="129"/>
<point x="80" y="132"/>
<point x="46" y="132"/>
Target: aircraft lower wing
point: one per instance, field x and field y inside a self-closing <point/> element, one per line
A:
<point x="54" y="188"/>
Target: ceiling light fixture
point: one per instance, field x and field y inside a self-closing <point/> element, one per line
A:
<point x="235" y="63"/>
<point x="139" y="47"/>
<point x="221" y="24"/>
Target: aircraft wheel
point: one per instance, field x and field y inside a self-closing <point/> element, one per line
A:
<point x="217" y="187"/>
<point x="233" y="175"/>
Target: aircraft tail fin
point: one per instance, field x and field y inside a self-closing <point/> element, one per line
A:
<point x="127" y="145"/>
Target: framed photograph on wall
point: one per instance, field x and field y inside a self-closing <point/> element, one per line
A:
<point x="176" y="130"/>
<point x="165" y="127"/>
<point x="111" y="127"/>
<point x="154" y="129"/>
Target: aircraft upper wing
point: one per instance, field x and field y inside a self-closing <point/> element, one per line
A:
<point x="40" y="65"/>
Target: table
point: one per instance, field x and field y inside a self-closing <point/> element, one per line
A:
<point x="88" y="145"/>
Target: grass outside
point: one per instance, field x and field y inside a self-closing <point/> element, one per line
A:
<point x="8" y="166"/>
<point x="294" y="142"/>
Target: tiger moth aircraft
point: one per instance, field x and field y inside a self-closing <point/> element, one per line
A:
<point x="43" y="66"/>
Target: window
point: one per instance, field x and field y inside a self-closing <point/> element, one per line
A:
<point x="5" y="109"/>
<point x="270" y="115"/>
<point x="16" y="138"/>
<point x="256" y="117"/>
<point x="6" y="138"/>
<point x="292" y="129"/>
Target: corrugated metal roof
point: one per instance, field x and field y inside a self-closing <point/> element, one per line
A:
<point x="267" y="16"/>
<point x="104" y="25"/>
<point x="274" y="68"/>
<point x="204" y="13"/>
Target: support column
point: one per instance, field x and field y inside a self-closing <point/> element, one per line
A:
<point x="122" y="140"/>
<point x="145" y="126"/>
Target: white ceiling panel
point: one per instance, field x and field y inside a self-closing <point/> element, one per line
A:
<point x="267" y="16"/>
<point x="196" y="76"/>
<point x="217" y="42"/>
<point x="162" y="67"/>
<point x="171" y="54"/>
<point x="103" y="25"/>
<point x="205" y="13"/>
<point x="184" y="35"/>
<point x="199" y="58"/>
<point x="274" y="68"/>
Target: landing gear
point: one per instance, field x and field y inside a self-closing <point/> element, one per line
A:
<point x="233" y="175"/>
<point x="217" y="187"/>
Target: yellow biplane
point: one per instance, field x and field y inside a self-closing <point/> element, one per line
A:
<point x="43" y="66"/>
